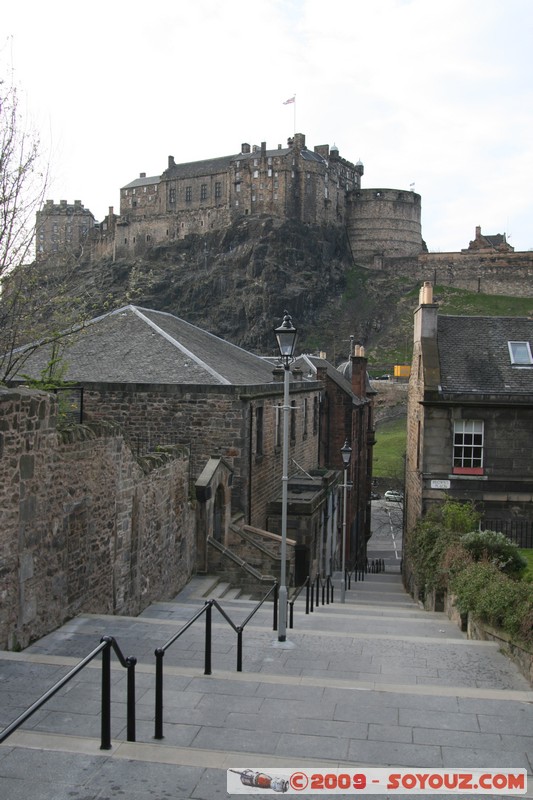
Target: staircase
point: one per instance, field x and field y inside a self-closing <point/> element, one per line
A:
<point x="374" y="682"/>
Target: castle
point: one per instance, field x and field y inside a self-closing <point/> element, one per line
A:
<point x="316" y="187"/>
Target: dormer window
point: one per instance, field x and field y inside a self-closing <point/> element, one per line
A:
<point x="520" y="353"/>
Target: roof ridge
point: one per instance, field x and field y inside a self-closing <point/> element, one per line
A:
<point x="178" y="344"/>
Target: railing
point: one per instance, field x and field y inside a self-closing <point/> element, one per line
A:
<point x="207" y="610"/>
<point x="313" y="591"/>
<point x="519" y="531"/>
<point x="106" y="643"/>
<point x="295" y="598"/>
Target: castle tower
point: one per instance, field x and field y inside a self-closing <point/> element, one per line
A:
<point x="384" y="222"/>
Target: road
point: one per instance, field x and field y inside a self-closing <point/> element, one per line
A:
<point x="387" y="528"/>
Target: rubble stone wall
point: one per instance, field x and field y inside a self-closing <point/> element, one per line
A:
<point x="86" y="527"/>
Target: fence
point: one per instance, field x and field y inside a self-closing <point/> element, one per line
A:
<point x="519" y="531"/>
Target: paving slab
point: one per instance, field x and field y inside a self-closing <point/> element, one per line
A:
<point x="372" y="682"/>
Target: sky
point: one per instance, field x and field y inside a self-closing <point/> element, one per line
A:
<point x="435" y="93"/>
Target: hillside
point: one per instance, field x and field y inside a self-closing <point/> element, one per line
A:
<point x="237" y="283"/>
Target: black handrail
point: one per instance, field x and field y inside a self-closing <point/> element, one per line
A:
<point x="160" y="651"/>
<point x="295" y="598"/>
<point x="106" y="642"/>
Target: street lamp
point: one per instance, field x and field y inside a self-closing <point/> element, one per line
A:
<point x="286" y="339"/>
<point x="346" y="453"/>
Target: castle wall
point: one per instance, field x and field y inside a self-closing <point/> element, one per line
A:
<point x="86" y="528"/>
<point x="489" y="273"/>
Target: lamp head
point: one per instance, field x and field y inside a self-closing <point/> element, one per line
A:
<point x="346" y="453"/>
<point x="286" y="338"/>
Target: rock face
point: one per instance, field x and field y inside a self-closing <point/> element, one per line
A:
<point x="236" y="283"/>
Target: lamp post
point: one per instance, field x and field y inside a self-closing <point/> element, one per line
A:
<point x="286" y="339"/>
<point x="346" y="453"/>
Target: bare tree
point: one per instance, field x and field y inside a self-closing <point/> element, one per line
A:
<point x="33" y="297"/>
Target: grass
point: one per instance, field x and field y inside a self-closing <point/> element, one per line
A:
<point x="389" y="450"/>
<point x="528" y="555"/>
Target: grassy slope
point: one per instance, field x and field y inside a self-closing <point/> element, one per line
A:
<point x="389" y="449"/>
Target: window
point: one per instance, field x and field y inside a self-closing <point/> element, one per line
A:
<point x="468" y="447"/>
<point x="172" y="196"/>
<point x="188" y="194"/>
<point x="203" y="191"/>
<point x="315" y="416"/>
<point x="259" y="431"/>
<point x="293" y="420"/>
<point x="305" y="409"/>
<point x="520" y="353"/>
<point x="218" y="190"/>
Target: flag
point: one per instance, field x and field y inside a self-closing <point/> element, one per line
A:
<point x="290" y="100"/>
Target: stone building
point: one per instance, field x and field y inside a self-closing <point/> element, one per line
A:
<point x="470" y="417"/>
<point x="63" y="229"/>
<point x="167" y="383"/>
<point x="313" y="186"/>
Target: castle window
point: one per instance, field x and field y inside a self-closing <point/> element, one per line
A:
<point x="256" y="173"/>
<point x="172" y="196"/>
<point x="188" y="194"/>
<point x="218" y="190"/>
<point x="238" y="187"/>
<point x="203" y="191"/>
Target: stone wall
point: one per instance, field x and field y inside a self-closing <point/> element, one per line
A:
<point x="86" y="527"/>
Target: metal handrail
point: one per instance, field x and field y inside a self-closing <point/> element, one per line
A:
<point x="106" y="643"/>
<point x="295" y="598"/>
<point x="206" y="609"/>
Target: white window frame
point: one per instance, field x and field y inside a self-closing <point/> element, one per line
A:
<point x="520" y="353"/>
<point x="467" y="454"/>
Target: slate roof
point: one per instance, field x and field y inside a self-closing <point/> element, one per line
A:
<point x="310" y="362"/>
<point x="138" y="345"/>
<point x="474" y="355"/>
<point x="153" y="181"/>
<point x="195" y="169"/>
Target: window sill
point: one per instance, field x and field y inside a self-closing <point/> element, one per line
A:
<point x="467" y="471"/>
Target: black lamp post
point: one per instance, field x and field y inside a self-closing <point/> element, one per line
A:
<point x="346" y="453"/>
<point x="286" y="339"/>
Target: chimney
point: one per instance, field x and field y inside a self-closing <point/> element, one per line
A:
<point x="426" y="315"/>
<point x="245" y="147"/>
<point x="478" y="231"/>
<point x="171" y="162"/>
<point x="359" y="363"/>
<point x="426" y="294"/>
<point x="263" y="149"/>
<point x="110" y="211"/>
<point x="142" y="175"/>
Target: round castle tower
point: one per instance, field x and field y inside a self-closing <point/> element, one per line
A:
<point x="384" y="222"/>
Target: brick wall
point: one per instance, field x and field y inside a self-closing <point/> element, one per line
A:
<point x="85" y="526"/>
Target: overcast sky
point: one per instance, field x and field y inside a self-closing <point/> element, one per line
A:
<point x="435" y="93"/>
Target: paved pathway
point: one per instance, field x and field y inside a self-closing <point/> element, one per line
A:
<point x="371" y="683"/>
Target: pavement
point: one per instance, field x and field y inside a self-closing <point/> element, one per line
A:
<point x="375" y="682"/>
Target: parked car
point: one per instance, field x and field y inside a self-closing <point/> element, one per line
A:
<point x="375" y="496"/>
<point x="393" y="496"/>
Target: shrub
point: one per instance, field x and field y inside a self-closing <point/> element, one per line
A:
<point x="459" y="517"/>
<point x="425" y="550"/>
<point x="493" y="597"/>
<point x="496" y="548"/>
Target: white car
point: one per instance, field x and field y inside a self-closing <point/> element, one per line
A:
<point x="393" y="496"/>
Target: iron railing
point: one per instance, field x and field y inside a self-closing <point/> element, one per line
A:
<point x="207" y="610"/>
<point x="106" y="643"/>
<point x="519" y="531"/>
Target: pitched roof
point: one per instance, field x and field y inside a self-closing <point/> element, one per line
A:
<point x="474" y="354"/>
<point x="138" y="345"/>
